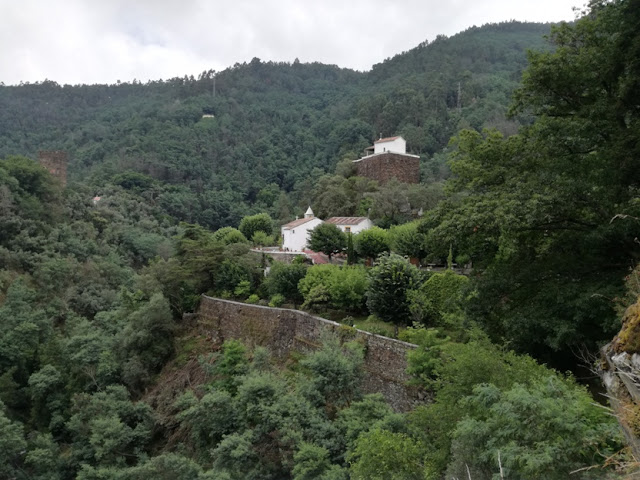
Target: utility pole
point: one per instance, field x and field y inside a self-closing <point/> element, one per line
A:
<point x="459" y="98"/>
<point x="213" y="88"/>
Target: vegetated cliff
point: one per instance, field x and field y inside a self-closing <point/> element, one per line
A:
<point x="620" y="371"/>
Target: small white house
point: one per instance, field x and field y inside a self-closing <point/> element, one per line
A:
<point x="351" y="224"/>
<point x="295" y="235"/>
<point x="391" y="145"/>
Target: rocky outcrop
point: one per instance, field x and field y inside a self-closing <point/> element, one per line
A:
<point x="620" y="372"/>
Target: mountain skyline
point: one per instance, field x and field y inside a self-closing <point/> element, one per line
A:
<point x="87" y="43"/>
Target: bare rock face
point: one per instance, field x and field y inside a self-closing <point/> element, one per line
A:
<point x="620" y="372"/>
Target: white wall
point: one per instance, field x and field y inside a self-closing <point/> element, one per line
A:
<point x="399" y="145"/>
<point x="295" y="239"/>
<point x="364" y="225"/>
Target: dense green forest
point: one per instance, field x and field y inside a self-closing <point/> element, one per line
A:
<point x="102" y="376"/>
<point x="277" y="127"/>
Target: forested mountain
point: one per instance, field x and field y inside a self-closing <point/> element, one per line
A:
<point x="276" y="125"/>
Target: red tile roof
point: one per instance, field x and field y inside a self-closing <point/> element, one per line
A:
<point x="388" y="139"/>
<point x="346" y="220"/>
<point x="297" y="222"/>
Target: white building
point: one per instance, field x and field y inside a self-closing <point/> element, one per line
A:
<point x="351" y="224"/>
<point x="295" y="235"/>
<point x="391" y="145"/>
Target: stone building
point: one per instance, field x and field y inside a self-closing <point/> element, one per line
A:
<point x="387" y="159"/>
<point x="55" y="161"/>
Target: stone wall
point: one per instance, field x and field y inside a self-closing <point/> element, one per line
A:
<point x="385" y="166"/>
<point x="55" y="161"/>
<point x="283" y="331"/>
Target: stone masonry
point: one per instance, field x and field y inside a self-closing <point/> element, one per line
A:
<point x="283" y="331"/>
<point x="385" y="166"/>
<point x="55" y="161"/>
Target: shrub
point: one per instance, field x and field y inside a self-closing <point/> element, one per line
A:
<point x="256" y="223"/>
<point x="276" y="300"/>
<point x="344" y="286"/>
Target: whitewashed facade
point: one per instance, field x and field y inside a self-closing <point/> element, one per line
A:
<point x="390" y="144"/>
<point x="351" y="224"/>
<point x="295" y="235"/>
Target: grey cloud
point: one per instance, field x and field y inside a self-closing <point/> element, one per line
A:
<point x="82" y="41"/>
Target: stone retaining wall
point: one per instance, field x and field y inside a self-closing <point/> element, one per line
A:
<point x="385" y="166"/>
<point x="283" y="331"/>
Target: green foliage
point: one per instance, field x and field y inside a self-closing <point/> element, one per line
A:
<point x="462" y="367"/>
<point x="519" y="203"/>
<point x="351" y="253"/>
<point x="261" y="222"/>
<point x="390" y="282"/>
<point x="381" y="455"/>
<point x="362" y="416"/>
<point x="283" y="279"/>
<point x="261" y="239"/>
<point x="208" y="419"/>
<point x="372" y="242"/>
<point x="406" y="240"/>
<point x="229" y="235"/>
<point x="243" y="289"/>
<point x="107" y="427"/>
<point x="276" y="300"/>
<point x="232" y="364"/>
<point x="12" y="444"/>
<point x="327" y="238"/>
<point x="146" y="341"/>
<point x="440" y="295"/>
<point x="338" y="287"/>
<point x="167" y="466"/>
<point x="335" y="379"/>
<point x="232" y="272"/>
<point x="425" y="362"/>
<point x="313" y="462"/>
<point x="317" y="298"/>
<point x="569" y="432"/>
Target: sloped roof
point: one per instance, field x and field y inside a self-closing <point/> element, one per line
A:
<point x="298" y="222"/>
<point x="346" y="220"/>
<point x="388" y="139"/>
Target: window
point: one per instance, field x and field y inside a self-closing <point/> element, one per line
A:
<point x="347" y="229"/>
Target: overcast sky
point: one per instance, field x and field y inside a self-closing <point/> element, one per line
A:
<point x="102" y="41"/>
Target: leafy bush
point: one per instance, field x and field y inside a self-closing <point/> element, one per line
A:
<point x="276" y="300"/>
<point x="327" y="238"/>
<point x="390" y="282"/>
<point x="243" y="289"/>
<point x="283" y="279"/>
<point x="229" y="235"/>
<point x="439" y="295"/>
<point x="372" y="242"/>
<point x="253" y="298"/>
<point x="344" y="286"/>
<point x="256" y="223"/>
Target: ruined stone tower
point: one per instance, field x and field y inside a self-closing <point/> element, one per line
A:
<point x="56" y="162"/>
